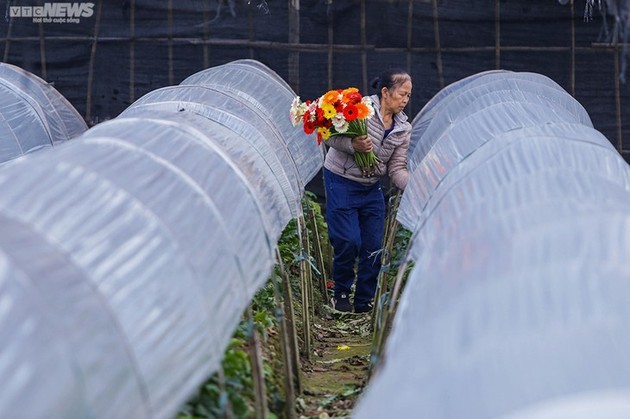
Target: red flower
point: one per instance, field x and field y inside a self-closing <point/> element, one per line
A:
<point x="309" y="127"/>
<point x="355" y="98"/>
<point x="350" y="112"/>
<point x="319" y="138"/>
<point x="320" y="115"/>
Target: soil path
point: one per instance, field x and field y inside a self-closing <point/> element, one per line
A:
<point x="338" y="370"/>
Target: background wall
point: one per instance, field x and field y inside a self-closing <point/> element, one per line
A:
<point x="127" y="48"/>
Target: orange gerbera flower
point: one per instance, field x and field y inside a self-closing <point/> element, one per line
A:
<point x="330" y="96"/>
<point x="348" y="94"/>
<point x="362" y="110"/>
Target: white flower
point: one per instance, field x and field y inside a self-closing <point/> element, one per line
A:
<point x="368" y="102"/>
<point x="297" y="111"/>
<point x="340" y="123"/>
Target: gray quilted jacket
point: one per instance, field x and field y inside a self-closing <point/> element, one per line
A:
<point x="392" y="151"/>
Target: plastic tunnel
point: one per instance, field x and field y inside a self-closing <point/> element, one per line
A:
<point x="129" y="255"/>
<point x="516" y="306"/>
<point x="32" y="114"/>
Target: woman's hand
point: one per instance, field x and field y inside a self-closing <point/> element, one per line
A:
<point x="362" y="144"/>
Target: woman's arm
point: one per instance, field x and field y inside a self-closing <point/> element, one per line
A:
<point x="341" y="143"/>
<point x="397" y="165"/>
<point x="349" y="145"/>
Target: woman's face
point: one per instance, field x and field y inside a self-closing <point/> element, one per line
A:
<point x="395" y="99"/>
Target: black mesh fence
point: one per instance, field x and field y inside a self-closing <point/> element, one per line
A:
<point x="104" y="55"/>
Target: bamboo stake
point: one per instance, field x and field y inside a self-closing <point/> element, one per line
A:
<point x="289" y="336"/>
<point x="381" y="334"/>
<point x="317" y="247"/>
<point x="288" y="345"/>
<point x="305" y="285"/>
<point x="389" y="238"/>
<point x="306" y="260"/>
<point x="258" y="375"/>
<point x="228" y="413"/>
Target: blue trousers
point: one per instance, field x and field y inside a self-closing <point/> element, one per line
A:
<point x="355" y="214"/>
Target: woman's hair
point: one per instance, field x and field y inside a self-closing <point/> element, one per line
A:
<point x="391" y="79"/>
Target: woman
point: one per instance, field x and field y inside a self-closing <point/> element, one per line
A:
<point x="355" y="204"/>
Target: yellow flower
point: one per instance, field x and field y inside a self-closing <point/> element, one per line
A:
<point x="329" y="110"/>
<point x="325" y="132"/>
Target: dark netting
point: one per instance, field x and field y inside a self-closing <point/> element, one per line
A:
<point x="141" y="46"/>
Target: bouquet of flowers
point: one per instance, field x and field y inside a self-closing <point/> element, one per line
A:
<point x="338" y="112"/>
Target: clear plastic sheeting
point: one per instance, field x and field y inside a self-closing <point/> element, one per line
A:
<point x="516" y="305"/>
<point x="476" y="110"/>
<point x="453" y="100"/>
<point x="254" y="139"/>
<point x="32" y="114"/>
<point x="271" y="98"/>
<point x="128" y="255"/>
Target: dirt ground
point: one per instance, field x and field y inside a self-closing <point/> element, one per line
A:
<point x="338" y="371"/>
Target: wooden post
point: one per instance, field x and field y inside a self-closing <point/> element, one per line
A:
<point x="7" y="41"/>
<point x="438" y="47"/>
<point x="250" y="29"/>
<point x="618" y="142"/>
<point x="206" y="34"/>
<point x="294" y="38"/>
<point x="330" y="44"/>
<point x="364" y="75"/>
<point x="42" y="50"/>
<point x="572" y="71"/>
<point x="497" y="34"/>
<point x="132" y="51"/>
<point x="88" y="98"/>
<point x="171" y="78"/>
